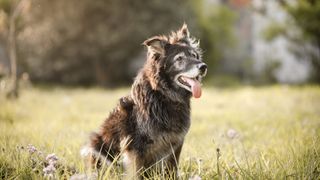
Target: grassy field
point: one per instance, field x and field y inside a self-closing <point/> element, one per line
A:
<point x="242" y="133"/>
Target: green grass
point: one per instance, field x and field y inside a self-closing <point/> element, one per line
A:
<point x="261" y="133"/>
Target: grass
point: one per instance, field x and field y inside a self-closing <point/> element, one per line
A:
<point x="243" y="133"/>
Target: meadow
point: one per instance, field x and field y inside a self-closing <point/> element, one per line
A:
<point x="270" y="132"/>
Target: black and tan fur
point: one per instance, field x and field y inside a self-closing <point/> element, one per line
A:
<point x="149" y="125"/>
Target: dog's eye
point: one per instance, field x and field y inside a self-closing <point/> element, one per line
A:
<point x="179" y="58"/>
<point x="194" y="55"/>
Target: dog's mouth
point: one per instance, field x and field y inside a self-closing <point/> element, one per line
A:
<point x="192" y="84"/>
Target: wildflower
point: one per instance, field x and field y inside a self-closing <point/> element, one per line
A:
<point x="31" y="148"/>
<point x="52" y="157"/>
<point x="49" y="171"/>
<point x="231" y="133"/>
<point x="195" y="177"/>
<point x="53" y="162"/>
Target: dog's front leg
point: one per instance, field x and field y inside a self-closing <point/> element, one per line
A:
<point x="133" y="165"/>
<point x="173" y="162"/>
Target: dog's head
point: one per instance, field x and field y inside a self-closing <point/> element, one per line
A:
<point x="178" y="60"/>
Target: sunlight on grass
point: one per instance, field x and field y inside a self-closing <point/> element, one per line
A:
<point x="261" y="133"/>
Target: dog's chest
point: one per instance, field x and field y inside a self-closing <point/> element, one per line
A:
<point x="163" y="125"/>
<point x="164" y="144"/>
<point x="170" y="117"/>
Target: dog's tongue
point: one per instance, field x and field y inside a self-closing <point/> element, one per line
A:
<point x="195" y="87"/>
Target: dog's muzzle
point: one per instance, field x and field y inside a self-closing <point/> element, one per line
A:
<point x="203" y="68"/>
<point x="191" y="80"/>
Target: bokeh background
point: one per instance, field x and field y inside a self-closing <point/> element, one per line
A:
<point x="99" y="42"/>
<point x="64" y="64"/>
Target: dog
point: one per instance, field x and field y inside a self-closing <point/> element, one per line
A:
<point x="149" y="125"/>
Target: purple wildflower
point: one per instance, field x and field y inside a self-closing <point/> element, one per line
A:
<point x="52" y="157"/>
<point x="49" y="171"/>
<point x="31" y="148"/>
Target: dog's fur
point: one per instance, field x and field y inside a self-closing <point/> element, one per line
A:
<point x="149" y="125"/>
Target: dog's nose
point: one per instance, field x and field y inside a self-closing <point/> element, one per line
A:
<point x="203" y="68"/>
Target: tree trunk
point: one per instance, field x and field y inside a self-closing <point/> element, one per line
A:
<point x="13" y="92"/>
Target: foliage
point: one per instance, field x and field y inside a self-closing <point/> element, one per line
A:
<point x="274" y="30"/>
<point x="92" y="42"/>
<point x="306" y="42"/>
<point x="260" y="133"/>
<point x="307" y="16"/>
<point x="6" y="5"/>
<point x="216" y="23"/>
<point x="99" y="42"/>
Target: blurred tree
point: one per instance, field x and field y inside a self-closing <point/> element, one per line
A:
<point x="12" y="9"/>
<point x="95" y="42"/>
<point x="92" y="42"/>
<point x="216" y="23"/>
<point x="306" y="41"/>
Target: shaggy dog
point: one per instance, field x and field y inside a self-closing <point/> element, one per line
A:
<point x="149" y="126"/>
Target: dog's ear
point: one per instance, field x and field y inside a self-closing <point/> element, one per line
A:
<point x="181" y="36"/>
<point x="184" y="32"/>
<point x="155" y="45"/>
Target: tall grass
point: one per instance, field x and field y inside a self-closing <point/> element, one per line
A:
<point x="244" y="133"/>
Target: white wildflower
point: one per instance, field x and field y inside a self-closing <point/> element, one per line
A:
<point x="195" y="177"/>
<point x="232" y="133"/>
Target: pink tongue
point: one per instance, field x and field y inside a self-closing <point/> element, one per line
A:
<point x="195" y="87"/>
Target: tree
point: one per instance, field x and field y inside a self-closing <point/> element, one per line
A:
<point x="13" y="10"/>
<point x="92" y="42"/>
<point x="216" y="26"/>
<point x="304" y="16"/>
